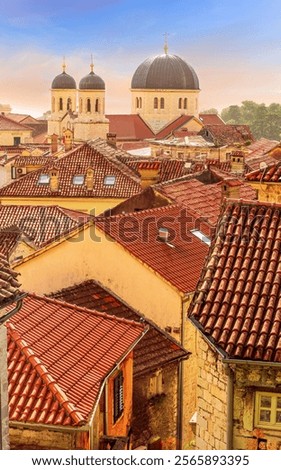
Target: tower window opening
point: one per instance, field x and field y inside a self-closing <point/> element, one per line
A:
<point x="137" y="103"/>
<point x="53" y="105"/>
<point x="60" y="104"/>
<point x="162" y="103"/>
<point x="88" y="105"/>
<point x="80" y="105"/>
<point x="180" y="101"/>
<point x="97" y="106"/>
<point x="69" y="104"/>
<point x="155" y="103"/>
<point x="185" y="103"/>
<point x="140" y="102"/>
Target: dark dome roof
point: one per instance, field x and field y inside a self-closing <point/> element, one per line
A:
<point x="165" y="72"/>
<point x="64" y="81"/>
<point x="92" y="82"/>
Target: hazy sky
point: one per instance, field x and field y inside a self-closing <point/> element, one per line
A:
<point x="233" y="45"/>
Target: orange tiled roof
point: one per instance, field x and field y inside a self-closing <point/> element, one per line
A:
<point x="99" y="156"/>
<point x="42" y="224"/>
<point x="33" y="160"/>
<point x="179" y="264"/>
<point x="237" y="299"/>
<point x="9" y="285"/>
<point x="228" y="134"/>
<point x="58" y="357"/>
<point x="168" y="168"/>
<point x="129" y="127"/>
<point x="204" y="199"/>
<point x="7" y="124"/>
<point x="155" y="349"/>
<point x="271" y="174"/>
<point x="210" y="119"/>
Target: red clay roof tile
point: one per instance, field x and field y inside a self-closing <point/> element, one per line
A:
<point x="243" y="316"/>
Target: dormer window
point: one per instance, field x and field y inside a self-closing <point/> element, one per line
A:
<point x="201" y="236"/>
<point x="44" y="179"/>
<point x="109" y="180"/>
<point x="78" y="180"/>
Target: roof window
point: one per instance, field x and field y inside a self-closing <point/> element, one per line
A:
<point x="78" y="179"/>
<point x="109" y="180"/>
<point x="201" y="236"/>
<point x="44" y="179"/>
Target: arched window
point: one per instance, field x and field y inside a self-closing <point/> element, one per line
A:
<point x="80" y="105"/>
<point x="68" y="104"/>
<point x="97" y="106"/>
<point x="53" y="105"/>
<point x="88" y="105"/>
<point x="180" y="103"/>
<point x="155" y="103"/>
<point x="185" y="103"/>
<point x="162" y="103"/>
<point x="60" y="104"/>
<point x="137" y="103"/>
<point x="140" y="102"/>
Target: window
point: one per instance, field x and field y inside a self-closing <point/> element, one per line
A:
<point x="88" y="105"/>
<point x="162" y="103"/>
<point x="16" y="140"/>
<point x="78" y="179"/>
<point x="185" y="103"/>
<point x="268" y="409"/>
<point x="69" y="104"/>
<point x="118" y="396"/>
<point x="60" y="104"/>
<point x="155" y="103"/>
<point x="156" y="384"/>
<point x="201" y="236"/>
<point x="97" y="106"/>
<point x="53" y="105"/>
<point x="80" y="105"/>
<point x="140" y="102"/>
<point x="179" y="103"/>
<point x="109" y="180"/>
<point x="43" y="179"/>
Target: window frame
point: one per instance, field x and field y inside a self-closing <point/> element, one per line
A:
<point x="109" y="178"/>
<point x="44" y="176"/>
<point x="273" y="424"/>
<point x="118" y="396"/>
<point x="80" y="178"/>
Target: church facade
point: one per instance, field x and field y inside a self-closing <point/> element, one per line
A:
<point x="163" y="88"/>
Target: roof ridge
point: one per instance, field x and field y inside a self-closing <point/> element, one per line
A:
<point x="3" y="116"/>
<point x="148" y="211"/>
<point x="81" y="309"/>
<point x="46" y="377"/>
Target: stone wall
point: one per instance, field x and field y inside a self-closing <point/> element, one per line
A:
<point x="155" y="415"/>
<point x="22" y="438"/>
<point x="211" y="399"/>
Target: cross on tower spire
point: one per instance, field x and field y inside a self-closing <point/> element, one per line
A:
<point x="166" y="43"/>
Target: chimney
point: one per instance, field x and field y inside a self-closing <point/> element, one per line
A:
<point x="237" y="162"/>
<point x="54" y="143"/>
<point x="54" y="179"/>
<point x="68" y="139"/>
<point x="111" y="139"/>
<point x="163" y="234"/>
<point x="230" y="188"/>
<point x="90" y="179"/>
<point x="149" y="173"/>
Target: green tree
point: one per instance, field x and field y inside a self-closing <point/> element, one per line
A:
<point x="210" y="111"/>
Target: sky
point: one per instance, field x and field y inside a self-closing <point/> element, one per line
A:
<point x="234" y="47"/>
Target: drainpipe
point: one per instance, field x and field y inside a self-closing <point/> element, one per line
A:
<point x="180" y="386"/>
<point x="229" y="406"/>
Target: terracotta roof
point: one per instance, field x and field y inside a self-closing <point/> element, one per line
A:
<point x="203" y="199"/>
<point x="155" y="349"/>
<point x="178" y="262"/>
<point x="237" y="300"/>
<point x="9" y="286"/>
<point x="97" y="156"/>
<point x="270" y="174"/>
<point x="42" y="224"/>
<point x="58" y="356"/>
<point x="210" y="119"/>
<point x="129" y="127"/>
<point x="7" y="124"/>
<point x="263" y="145"/>
<point x="173" y="126"/>
<point x="33" y="160"/>
<point x="228" y="134"/>
<point x="169" y="169"/>
<point x="8" y="240"/>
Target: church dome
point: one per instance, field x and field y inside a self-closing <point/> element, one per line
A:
<point x="165" y="71"/>
<point x="92" y="82"/>
<point x="64" y="81"/>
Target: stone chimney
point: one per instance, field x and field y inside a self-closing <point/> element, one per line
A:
<point x="237" y="162"/>
<point x="90" y="179"/>
<point x="54" y="179"/>
<point x="68" y="139"/>
<point x="54" y="143"/>
<point x="149" y="173"/>
<point x="111" y="139"/>
<point x="230" y="188"/>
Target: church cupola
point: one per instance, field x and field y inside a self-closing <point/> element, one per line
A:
<point x="63" y="91"/>
<point x="91" y="95"/>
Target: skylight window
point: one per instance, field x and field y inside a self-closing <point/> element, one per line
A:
<point x="201" y="236"/>
<point x="44" y="179"/>
<point x="109" y="180"/>
<point x="78" y="179"/>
